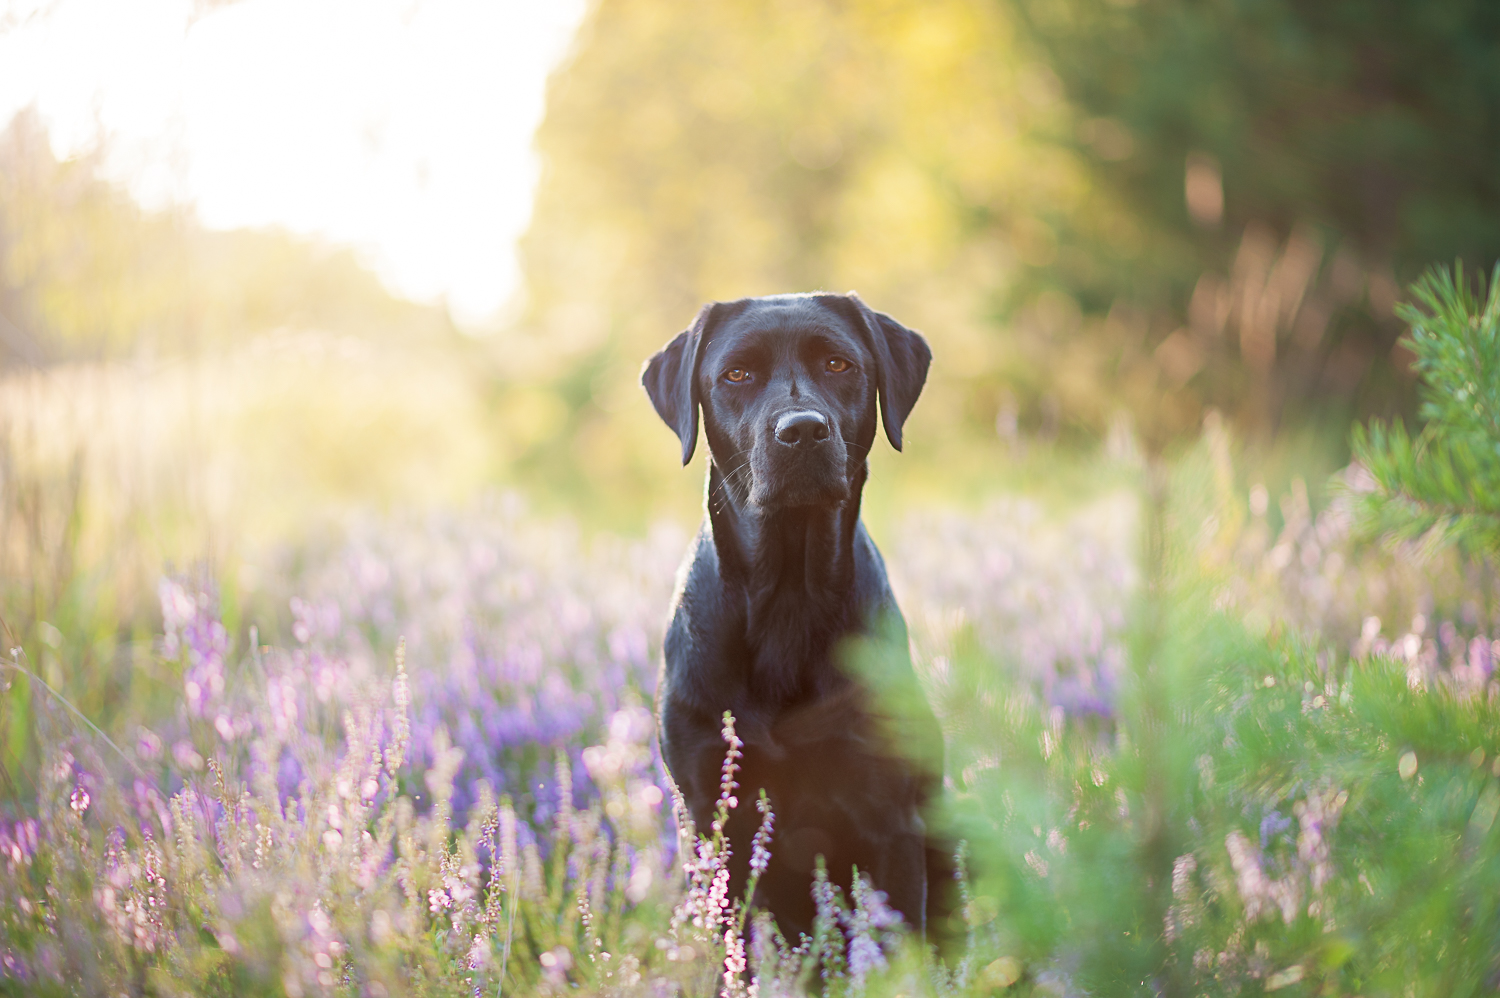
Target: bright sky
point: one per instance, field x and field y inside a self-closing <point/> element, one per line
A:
<point x="401" y="127"/>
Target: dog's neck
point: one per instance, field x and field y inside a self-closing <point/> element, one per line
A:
<point x="795" y="567"/>
<point x="808" y="548"/>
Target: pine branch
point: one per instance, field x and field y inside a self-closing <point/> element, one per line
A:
<point x="1443" y="484"/>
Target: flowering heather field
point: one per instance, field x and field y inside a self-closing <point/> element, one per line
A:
<point x="1187" y="755"/>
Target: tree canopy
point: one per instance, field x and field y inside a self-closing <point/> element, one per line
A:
<point x="1148" y="206"/>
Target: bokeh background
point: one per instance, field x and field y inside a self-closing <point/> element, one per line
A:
<point x="331" y="315"/>
<point x="259" y="264"/>
<point x="266" y="267"/>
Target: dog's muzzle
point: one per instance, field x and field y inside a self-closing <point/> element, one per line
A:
<point x="800" y="462"/>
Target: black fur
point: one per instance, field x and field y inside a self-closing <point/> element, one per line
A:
<point x="783" y="592"/>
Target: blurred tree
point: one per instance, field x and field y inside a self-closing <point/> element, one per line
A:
<point x="1148" y="205"/>
<point x="86" y="273"/>
<point x="722" y="150"/>
<point x="1317" y="156"/>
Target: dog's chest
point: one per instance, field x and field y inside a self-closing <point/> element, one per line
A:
<point x="788" y="643"/>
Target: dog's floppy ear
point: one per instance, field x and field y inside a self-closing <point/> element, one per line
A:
<point x="901" y="361"/>
<point x="670" y="378"/>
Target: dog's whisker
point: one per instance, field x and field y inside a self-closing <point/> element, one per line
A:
<point x="729" y="478"/>
<point x="725" y="485"/>
<point x="722" y="489"/>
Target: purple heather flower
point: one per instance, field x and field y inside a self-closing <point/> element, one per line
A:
<point x="760" y="845"/>
<point x="194" y="635"/>
<point x="13" y="966"/>
<point x="147" y="744"/>
<point x="1046" y="603"/>
<point x="1272" y="825"/>
<point x="18" y="842"/>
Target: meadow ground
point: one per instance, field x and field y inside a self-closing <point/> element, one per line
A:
<point x="1202" y="738"/>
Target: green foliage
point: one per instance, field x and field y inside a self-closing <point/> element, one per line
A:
<point x="1443" y="484"/>
<point x="1010" y="178"/>
<point x="712" y="151"/>
<point x="1259" y="813"/>
<point x="1370" y="119"/>
<point x="1359" y="131"/>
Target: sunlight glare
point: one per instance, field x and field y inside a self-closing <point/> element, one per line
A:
<point x="400" y="127"/>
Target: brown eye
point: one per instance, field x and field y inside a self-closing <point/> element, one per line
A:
<point x="838" y="365"/>
<point x="736" y="374"/>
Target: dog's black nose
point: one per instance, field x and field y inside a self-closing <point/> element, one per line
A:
<point x="802" y="427"/>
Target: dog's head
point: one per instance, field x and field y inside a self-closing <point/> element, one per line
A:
<point x="789" y="386"/>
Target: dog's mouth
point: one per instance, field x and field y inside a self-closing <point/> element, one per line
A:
<point x="800" y="494"/>
<point x="781" y="479"/>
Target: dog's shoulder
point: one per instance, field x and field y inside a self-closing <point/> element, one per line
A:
<point x="697" y="576"/>
<point x="694" y="643"/>
<point x="872" y="587"/>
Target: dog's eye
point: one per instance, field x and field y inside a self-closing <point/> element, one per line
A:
<point x="838" y="365"/>
<point x="736" y="374"/>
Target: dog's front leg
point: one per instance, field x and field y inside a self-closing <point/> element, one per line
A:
<point x="902" y="875"/>
<point x="692" y="746"/>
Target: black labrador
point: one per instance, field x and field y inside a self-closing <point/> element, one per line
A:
<point x="783" y="614"/>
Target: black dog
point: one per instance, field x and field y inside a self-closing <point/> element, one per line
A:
<point x="780" y="589"/>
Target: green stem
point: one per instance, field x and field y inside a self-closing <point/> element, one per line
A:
<point x="18" y="667"/>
